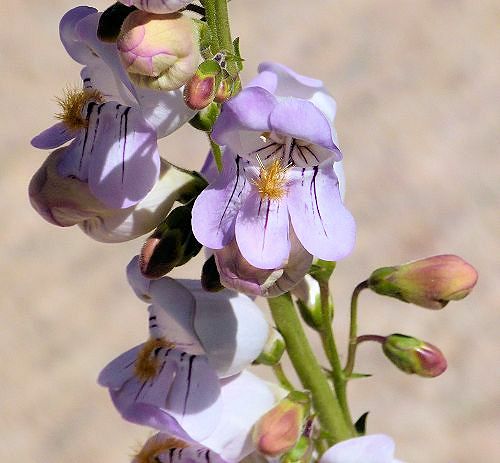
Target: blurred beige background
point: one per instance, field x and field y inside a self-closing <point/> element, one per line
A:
<point x="416" y="84"/>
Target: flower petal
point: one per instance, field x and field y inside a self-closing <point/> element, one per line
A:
<point x="322" y="224"/>
<point x="124" y="164"/>
<point x="244" y="334"/>
<point x="215" y="209"/>
<point x="157" y="6"/>
<point x="163" y="449"/>
<point x="172" y="315"/>
<point x="119" y="225"/>
<point x="376" y="448"/>
<point x="78" y="50"/>
<point x="86" y="32"/>
<point x="262" y="232"/>
<point x="53" y="137"/>
<point x="243" y="119"/>
<point x="283" y="82"/>
<point x="230" y="438"/>
<point x="140" y="284"/>
<point x="301" y="119"/>
<point x="186" y="388"/>
<point x="165" y="111"/>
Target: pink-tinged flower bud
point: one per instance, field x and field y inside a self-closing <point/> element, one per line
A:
<point x="200" y="91"/>
<point x="159" y="52"/>
<point x="280" y="428"/>
<point x="228" y="87"/>
<point x="430" y="282"/>
<point x="414" y="356"/>
<point x="67" y="201"/>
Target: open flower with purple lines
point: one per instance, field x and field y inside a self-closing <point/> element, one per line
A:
<point x="278" y="170"/>
<point x="179" y="380"/>
<point x="113" y="126"/>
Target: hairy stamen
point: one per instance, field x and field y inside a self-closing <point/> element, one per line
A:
<point x="73" y="104"/>
<point x="271" y="182"/>
<point x="146" y="365"/>
<point x="155" y="446"/>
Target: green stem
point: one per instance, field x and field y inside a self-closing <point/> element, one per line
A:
<point x="282" y="378"/>
<point x="331" y="352"/>
<point x="353" y="330"/>
<point x="308" y="370"/>
<point x="218" y="21"/>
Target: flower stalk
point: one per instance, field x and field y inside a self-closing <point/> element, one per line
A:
<point x="330" y="348"/>
<point x="353" y="329"/>
<point x="330" y="414"/>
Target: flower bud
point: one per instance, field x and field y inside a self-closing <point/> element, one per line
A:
<point x="280" y="428"/>
<point x="309" y="302"/>
<point x="172" y="244"/>
<point x="159" y="52"/>
<point x="414" y="356"/>
<point x="200" y="90"/>
<point x="273" y="350"/>
<point x="430" y="282"/>
<point x="228" y="87"/>
<point x="205" y="119"/>
<point x="111" y="20"/>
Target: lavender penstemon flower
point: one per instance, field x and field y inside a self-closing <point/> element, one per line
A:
<point x="272" y="219"/>
<point x="114" y="126"/>
<point x="278" y="171"/>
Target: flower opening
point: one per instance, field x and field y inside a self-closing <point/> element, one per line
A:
<point x="156" y="446"/>
<point x="73" y="103"/>
<point x="146" y="365"/>
<point x="271" y="182"/>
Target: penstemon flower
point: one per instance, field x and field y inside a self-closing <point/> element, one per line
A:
<point x="278" y="172"/>
<point x="114" y="126"/>
<point x="183" y="380"/>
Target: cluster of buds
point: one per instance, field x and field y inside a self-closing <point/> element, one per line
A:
<point x="210" y="83"/>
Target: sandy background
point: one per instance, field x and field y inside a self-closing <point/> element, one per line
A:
<point x="415" y="84"/>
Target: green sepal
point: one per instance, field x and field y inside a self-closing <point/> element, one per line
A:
<point x="205" y="119"/>
<point x="321" y="270"/>
<point x="359" y="375"/>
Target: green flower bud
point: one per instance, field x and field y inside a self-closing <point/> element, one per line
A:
<point x="430" y="282"/>
<point x="280" y="428"/>
<point x="414" y="356"/>
<point x="309" y="302"/>
<point x="200" y="90"/>
<point x="273" y="350"/>
<point x="205" y="118"/>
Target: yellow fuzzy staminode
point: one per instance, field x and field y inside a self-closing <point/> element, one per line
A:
<point x="146" y="365"/>
<point x="73" y="103"/>
<point x="271" y="183"/>
<point x="155" y="446"/>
